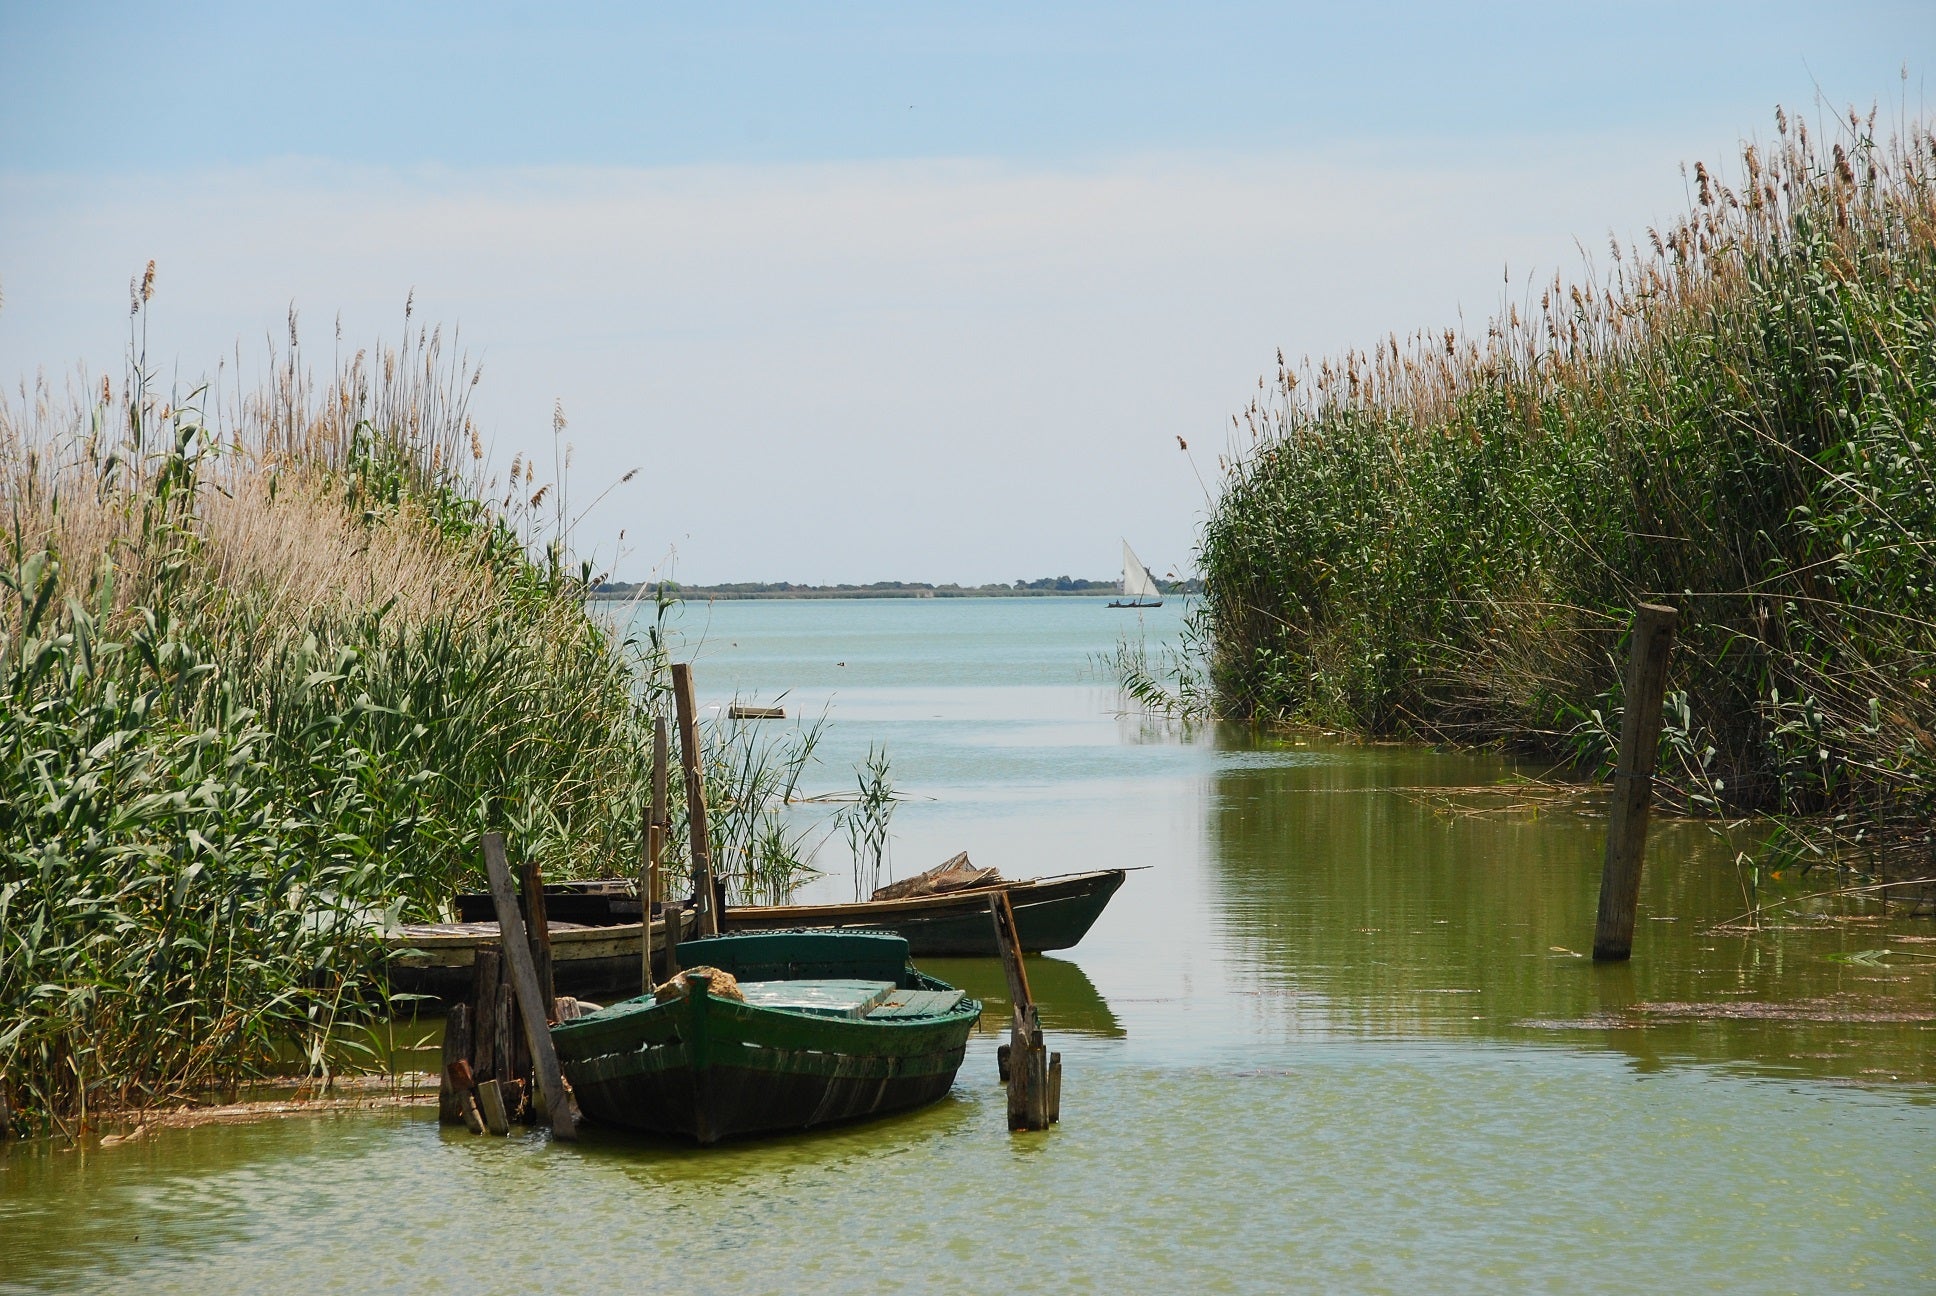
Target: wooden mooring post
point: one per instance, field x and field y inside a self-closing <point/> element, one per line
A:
<point x="675" y="921"/>
<point x="555" y="1105"/>
<point x="657" y="824"/>
<point x="1032" y="1073"/>
<point x="687" y="709"/>
<point x="1633" y="780"/>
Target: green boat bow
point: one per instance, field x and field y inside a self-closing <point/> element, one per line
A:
<point x="834" y="1026"/>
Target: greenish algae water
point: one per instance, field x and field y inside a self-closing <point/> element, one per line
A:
<point x="1335" y="1036"/>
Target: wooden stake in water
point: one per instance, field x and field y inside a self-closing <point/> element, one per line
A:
<point x="524" y="982"/>
<point x="1633" y="781"/>
<point x="656" y="824"/>
<point x="1033" y="1075"/>
<point x="702" y="857"/>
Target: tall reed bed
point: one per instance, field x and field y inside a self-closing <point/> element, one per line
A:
<point x="270" y="664"/>
<point x="1445" y="536"/>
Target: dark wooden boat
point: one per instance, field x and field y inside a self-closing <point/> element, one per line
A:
<point x="592" y="952"/>
<point x="1050" y="914"/>
<point x="834" y="1026"/>
<point x="595" y="929"/>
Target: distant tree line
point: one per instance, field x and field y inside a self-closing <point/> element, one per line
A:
<point x="883" y="589"/>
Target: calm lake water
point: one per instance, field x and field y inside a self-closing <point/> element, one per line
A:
<point x="1335" y="1035"/>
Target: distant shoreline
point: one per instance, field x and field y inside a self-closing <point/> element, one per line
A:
<point x="614" y="591"/>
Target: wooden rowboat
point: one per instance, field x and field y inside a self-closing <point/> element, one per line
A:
<point x="595" y="929"/>
<point x="832" y="1026"/>
<point x="436" y="959"/>
<point x="1050" y="914"/>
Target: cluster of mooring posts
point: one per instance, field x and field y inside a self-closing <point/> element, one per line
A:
<point x="499" y="1064"/>
<point x="1633" y="781"/>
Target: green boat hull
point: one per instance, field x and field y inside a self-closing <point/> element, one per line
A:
<point x="709" y="1068"/>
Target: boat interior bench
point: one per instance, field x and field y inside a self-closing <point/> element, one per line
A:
<point x="849" y="998"/>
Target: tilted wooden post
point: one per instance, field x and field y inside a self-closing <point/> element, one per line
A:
<point x="524" y="982"/>
<point x="702" y="856"/>
<point x="537" y="925"/>
<point x="656" y="825"/>
<point x="1633" y="781"/>
<point x="1033" y="1075"/>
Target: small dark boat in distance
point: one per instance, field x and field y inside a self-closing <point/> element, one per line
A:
<point x="827" y="1027"/>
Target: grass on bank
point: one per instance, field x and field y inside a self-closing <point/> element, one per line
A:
<point x="1445" y="537"/>
<point x="269" y="667"/>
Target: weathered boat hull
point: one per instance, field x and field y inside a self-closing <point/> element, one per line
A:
<point x="708" y="1068"/>
<point x="596" y="952"/>
<point x="1052" y="914"/>
<point x="436" y="959"/>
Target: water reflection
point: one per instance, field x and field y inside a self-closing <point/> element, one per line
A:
<point x="1337" y="877"/>
<point x="1067" y="998"/>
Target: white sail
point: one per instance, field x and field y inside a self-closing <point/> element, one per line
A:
<point x="1136" y="578"/>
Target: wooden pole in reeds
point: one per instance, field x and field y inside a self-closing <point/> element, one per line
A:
<point x="656" y="825"/>
<point x="1633" y="781"/>
<point x="516" y="952"/>
<point x="702" y="861"/>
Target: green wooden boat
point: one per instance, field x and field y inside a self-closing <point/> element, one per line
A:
<point x="835" y="1026"/>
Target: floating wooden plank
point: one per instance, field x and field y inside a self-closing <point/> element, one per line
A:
<point x="740" y="711"/>
<point x="555" y="1105"/>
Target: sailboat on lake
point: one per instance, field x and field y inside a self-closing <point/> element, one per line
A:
<point x="1139" y="588"/>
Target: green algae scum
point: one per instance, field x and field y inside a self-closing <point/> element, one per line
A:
<point x="1339" y="1035"/>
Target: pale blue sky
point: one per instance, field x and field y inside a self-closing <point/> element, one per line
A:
<point x="968" y="270"/>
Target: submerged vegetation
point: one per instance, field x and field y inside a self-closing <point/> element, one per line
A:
<point x="269" y="667"/>
<point x="1445" y="538"/>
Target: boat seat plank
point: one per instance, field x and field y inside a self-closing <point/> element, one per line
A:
<point x="826" y="998"/>
<point x="915" y="1003"/>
